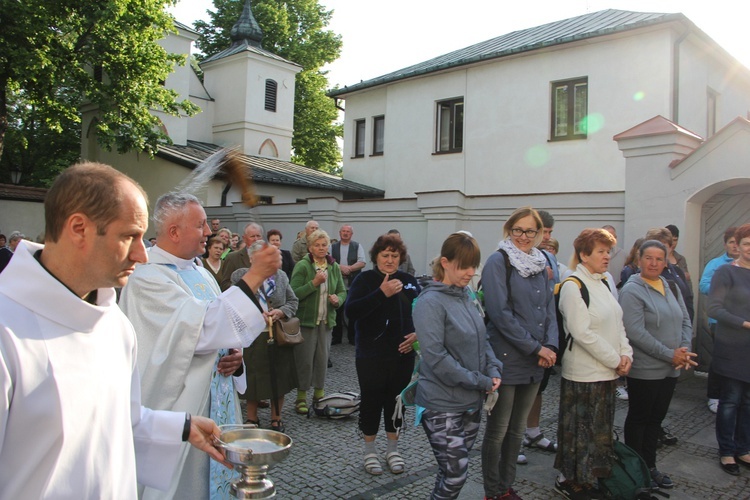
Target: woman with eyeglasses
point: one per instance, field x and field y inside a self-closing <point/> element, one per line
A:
<point x="522" y="330"/>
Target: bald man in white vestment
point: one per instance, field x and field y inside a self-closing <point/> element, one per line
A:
<point x="190" y="334"/>
<point x="71" y="421"/>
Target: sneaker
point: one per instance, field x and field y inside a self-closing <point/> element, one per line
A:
<point x="662" y="480"/>
<point x="522" y="460"/>
<point x="666" y="438"/>
<point x="621" y="392"/>
<point x="570" y="489"/>
<point x="699" y="373"/>
<point x="713" y="405"/>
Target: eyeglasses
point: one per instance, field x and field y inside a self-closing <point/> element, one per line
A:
<point x="530" y="233"/>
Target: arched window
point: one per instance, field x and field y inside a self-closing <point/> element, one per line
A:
<point x="271" y="87"/>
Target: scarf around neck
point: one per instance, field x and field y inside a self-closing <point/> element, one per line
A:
<point x="527" y="264"/>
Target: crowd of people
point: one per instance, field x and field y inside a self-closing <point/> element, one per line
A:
<point x="193" y="334"/>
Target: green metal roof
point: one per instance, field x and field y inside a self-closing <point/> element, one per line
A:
<point x="600" y="23"/>
<point x="270" y="170"/>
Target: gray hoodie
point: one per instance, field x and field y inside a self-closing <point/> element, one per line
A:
<point x="656" y="325"/>
<point x="458" y="364"/>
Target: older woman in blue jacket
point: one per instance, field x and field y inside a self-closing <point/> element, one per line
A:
<point x="523" y="333"/>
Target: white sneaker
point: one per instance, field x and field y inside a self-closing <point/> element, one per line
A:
<point x="713" y="405"/>
<point x="522" y="460"/>
<point x="699" y="373"/>
<point x="621" y="392"/>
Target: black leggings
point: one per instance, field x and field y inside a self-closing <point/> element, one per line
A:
<point x="380" y="381"/>
<point x="648" y="403"/>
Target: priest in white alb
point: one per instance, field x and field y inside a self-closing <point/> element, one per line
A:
<point x="190" y="334"/>
<point x="71" y="422"/>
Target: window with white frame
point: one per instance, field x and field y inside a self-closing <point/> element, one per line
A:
<point x="378" y="131"/>
<point x="569" y="109"/>
<point x="359" y="138"/>
<point x="450" y="126"/>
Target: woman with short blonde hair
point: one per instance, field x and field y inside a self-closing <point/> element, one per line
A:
<point x="319" y="286"/>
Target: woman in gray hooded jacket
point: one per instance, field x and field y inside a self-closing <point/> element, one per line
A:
<point x="458" y="366"/>
<point x="658" y="327"/>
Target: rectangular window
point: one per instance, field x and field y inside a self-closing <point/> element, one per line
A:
<point x="378" y="130"/>
<point x="711" y="113"/>
<point x="271" y="90"/>
<point x="450" y="126"/>
<point x="569" y="109"/>
<point x="359" y="138"/>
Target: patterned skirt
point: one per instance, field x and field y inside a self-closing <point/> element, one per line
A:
<point x="585" y="449"/>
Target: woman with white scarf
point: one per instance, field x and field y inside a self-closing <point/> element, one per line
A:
<point x="522" y="330"/>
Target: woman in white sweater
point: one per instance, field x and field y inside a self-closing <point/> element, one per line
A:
<point x="600" y="353"/>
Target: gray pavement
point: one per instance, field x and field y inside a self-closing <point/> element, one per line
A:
<point x="326" y="457"/>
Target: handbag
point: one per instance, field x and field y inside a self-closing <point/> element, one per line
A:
<point x="286" y="332"/>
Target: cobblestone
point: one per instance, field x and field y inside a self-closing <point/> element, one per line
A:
<point x="326" y="457"/>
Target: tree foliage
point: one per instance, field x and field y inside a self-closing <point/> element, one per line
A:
<point x="34" y="149"/>
<point x="294" y="30"/>
<point x="54" y="48"/>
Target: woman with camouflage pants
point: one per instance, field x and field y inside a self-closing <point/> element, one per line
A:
<point x="458" y="366"/>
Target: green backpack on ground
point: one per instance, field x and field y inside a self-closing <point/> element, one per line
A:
<point x="630" y="478"/>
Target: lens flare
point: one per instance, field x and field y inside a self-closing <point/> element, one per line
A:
<point x="592" y="123"/>
<point x="638" y="96"/>
<point x="536" y="156"/>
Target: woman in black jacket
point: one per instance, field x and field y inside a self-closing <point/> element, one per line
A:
<point x="379" y="306"/>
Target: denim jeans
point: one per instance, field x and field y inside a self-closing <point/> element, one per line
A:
<point x="503" y="435"/>
<point x="733" y="418"/>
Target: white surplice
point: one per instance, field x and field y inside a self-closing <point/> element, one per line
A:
<point x="179" y="335"/>
<point x="71" y="421"/>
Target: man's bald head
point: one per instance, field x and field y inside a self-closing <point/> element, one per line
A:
<point x="311" y="227"/>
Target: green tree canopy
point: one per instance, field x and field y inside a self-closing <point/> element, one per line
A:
<point x="103" y="53"/>
<point x="294" y="30"/>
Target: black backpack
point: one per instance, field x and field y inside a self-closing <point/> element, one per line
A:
<point x="564" y="341"/>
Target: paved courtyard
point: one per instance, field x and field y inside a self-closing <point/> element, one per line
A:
<point x="326" y="457"/>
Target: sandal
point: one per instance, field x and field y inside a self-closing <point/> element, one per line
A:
<point x="534" y="443"/>
<point x="277" y="425"/>
<point x="395" y="462"/>
<point x="301" y="407"/>
<point x="372" y="464"/>
<point x="256" y="423"/>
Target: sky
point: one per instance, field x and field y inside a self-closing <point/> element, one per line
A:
<point x="385" y="35"/>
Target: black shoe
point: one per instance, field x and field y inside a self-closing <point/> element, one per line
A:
<point x="330" y="365"/>
<point x="741" y="462"/>
<point x="335" y="341"/>
<point x="570" y="489"/>
<point x="666" y="438"/>
<point x="662" y="480"/>
<point x="732" y="469"/>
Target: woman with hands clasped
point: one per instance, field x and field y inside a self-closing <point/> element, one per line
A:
<point x="523" y="333"/>
<point x="317" y="283"/>
<point x="458" y="366"/>
<point x="658" y="327"/>
<point x="599" y="354"/>
<point x="379" y="306"/>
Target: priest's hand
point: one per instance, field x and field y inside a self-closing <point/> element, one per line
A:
<point x="230" y="363"/>
<point x="203" y="434"/>
<point x="266" y="262"/>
